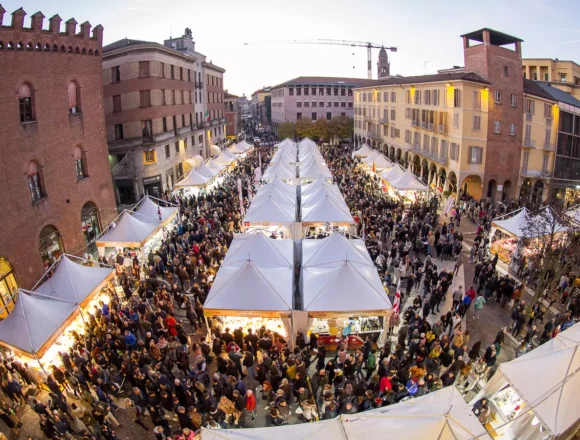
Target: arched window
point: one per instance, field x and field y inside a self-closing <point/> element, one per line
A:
<point x="8" y="288"/>
<point x="73" y="97"/>
<point x="50" y="245"/>
<point x="26" y="103"/>
<point x="80" y="166"/>
<point x="90" y="224"/>
<point x="35" y="182"/>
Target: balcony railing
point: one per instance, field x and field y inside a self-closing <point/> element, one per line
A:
<point x="429" y="125"/>
<point x="529" y="143"/>
<point x="414" y="123"/>
<point x="124" y="169"/>
<point x="408" y="145"/>
<point x="417" y="147"/>
<point x="198" y="85"/>
<point x="384" y="121"/>
<point x="527" y="172"/>
<point x="529" y="116"/>
<point x="223" y="120"/>
<point x="441" y="128"/>
<point x="549" y="147"/>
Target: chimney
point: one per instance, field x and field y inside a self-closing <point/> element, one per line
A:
<point x="98" y="34"/>
<point x="2" y="10"/>
<point x="71" y="26"/>
<point x="37" y="21"/>
<point x="54" y="24"/>
<point x="85" y="29"/>
<point x="18" y="19"/>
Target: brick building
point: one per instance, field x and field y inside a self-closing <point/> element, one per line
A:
<point x="56" y="182"/>
<point x="233" y="114"/>
<point x="214" y="87"/>
<point x="149" y="104"/>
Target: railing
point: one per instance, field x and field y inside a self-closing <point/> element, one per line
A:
<point x="198" y="85"/>
<point x="548" y="121"/>
<point x="442" y="128"/>
<point x="423" y="124"/>
<point x="549" y="147"/>
<point x="529" y="143"/>
<point x="416" y="147"/>
<point x="529" y="116"/>
<point x="429" y="125"/>
<point x="414" y="123"/>
<point x="184" y="130"/>
<point x="409" y="145"/>
<point x="199" y="125"/>
<point x="223" y="120"/>
<point x="384" y="121"/>
<point x="123" y="169"/>
<point x="524" y="171"/>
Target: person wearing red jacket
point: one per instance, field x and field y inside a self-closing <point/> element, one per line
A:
<point x="251" y="404"/>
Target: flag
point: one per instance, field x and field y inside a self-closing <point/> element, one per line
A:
<point x="374" y="167"/>
<point x="207" y="115"/>
<point x="397" y="303"/>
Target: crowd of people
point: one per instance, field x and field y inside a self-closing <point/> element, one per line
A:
<point x="141" y="351"/>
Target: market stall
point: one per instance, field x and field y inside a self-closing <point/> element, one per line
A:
<point x="322" y="213"/>
<point x="341" y="288"/>
<point x="314" y="170"/>
<point x="440" y="415"/>
<point x="274" y="213"/>
<point x="363" y="151"/>
<point x="574" y="213"/>
<point x="192" y="163"/>
<point x="377" y="162"/>
<point x="280" y="170"/>
<point x="192" y="183"/>
<point x="214" y="150"/>
<point x="536" y="395"/>
<point x="407" y="187"/>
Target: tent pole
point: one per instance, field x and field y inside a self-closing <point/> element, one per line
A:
<point x="207" y="326"/>
<point x="40" y="363"/>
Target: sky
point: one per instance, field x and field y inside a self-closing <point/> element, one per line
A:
<point x="425" y="32"/>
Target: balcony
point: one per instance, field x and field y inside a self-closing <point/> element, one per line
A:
<point x="206" y="124"/>
<point x="408" y="145"/>
<point x="423" y="124"/>
<point x="384" y="121"/>
<point x="533" y="173"/>
<point x="441" y="128"/>
<point x="200" y="125"/>
<point x="414" y="122"/>
<point x="124" y="169"/>
<point x="368" y="118"/>
<point x="223" y="121"/>
<point x="373" y="135"/>
<point x="529" y="143"/>
<point x="430" y="125"/>
<point x="416" y="147"/>
<point x="549" y="147"/>
<point x="198" y="85"/>
<point x="184" y="130"/>
<point x="529" y="116"/>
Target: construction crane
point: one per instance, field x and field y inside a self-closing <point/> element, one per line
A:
<point x="369" y="46"/>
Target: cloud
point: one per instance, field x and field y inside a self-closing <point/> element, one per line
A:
<point x="567" y="42"/>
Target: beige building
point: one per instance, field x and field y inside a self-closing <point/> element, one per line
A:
<point x="564" y="75"/>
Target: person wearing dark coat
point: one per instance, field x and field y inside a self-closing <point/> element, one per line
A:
<point x="475" y="351"/>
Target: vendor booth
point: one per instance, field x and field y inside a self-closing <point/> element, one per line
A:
<point x="378" y="162"/>
<point x="274" y="213"/>
<point x="363" y="151"/>
<point x="42" y="321"/>
<point x="324" y="213"/>
<point x="192" y="163"/>
<point x="214" y="150"/>
<point x="192" y="183"/>
<point x="574" y="213"/>
<point x="536" y="395"/>
<point x="408" y="186"/>
<point x="280" y="170"/>
<point x="206" y="172"/>
<point x="314" y="170"/>
<point x="341" y="288"/>
<point x="440" y="415"/>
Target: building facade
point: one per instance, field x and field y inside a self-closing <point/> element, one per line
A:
<point x="459" y="130"/>
<point x="233" y="115"/>
<point x="383" y="64"/>
<point x="261" y="106"/>
<point x="314" y="98"/>
<point x="214" y="116"/>
<point x="564" y="75"/>
<point x="148" y="101"/>
<point x="57" y="193"/>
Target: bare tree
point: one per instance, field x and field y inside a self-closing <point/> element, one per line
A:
<point x="552" y="241"/>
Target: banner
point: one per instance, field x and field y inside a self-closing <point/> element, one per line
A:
<point x="250" y="190"/>
<point x="448" y="205"/>
<point x="242" y="211"/>
<point x="257" y="174"/>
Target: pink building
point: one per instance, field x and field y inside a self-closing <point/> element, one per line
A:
<point x="314" y="97"/>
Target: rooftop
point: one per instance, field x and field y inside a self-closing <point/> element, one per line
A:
<point x="328" y="80"/>
<point x="559" y="95"/>
<point x="438" y="77"/>
<point x="129" y="44"/>
<point x="213" y="66"/>
<point x="262" y="90"/>
<point x="496" y="38"/>
<point x="534" y="88"/>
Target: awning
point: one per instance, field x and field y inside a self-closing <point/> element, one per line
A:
<point x="129" y="232"/>
<point x="193" y="179"/>
<point x="363" y="151"/>
<point x="408" y="182"/>
<point x="192" y="163"/>
<point x="214" y="150"/>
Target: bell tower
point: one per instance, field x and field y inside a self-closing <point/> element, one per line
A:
<point x="383" y="65"/>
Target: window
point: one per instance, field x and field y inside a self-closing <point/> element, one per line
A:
<point x="528" y="135"/>
<point x="530" y="106"/>
<point x="299" y="104"/>
<point x="477" y="100"/>
<point x="427" y="97"/>
<point x="548" y="137"/>
<point x="314" y="114"/>
<point x="386" y="96"/>
<point x="145" y="98"/>
<point x="73" y="98"/>
<point x="298" y="116"/>
<point x="475" y="155"/>
<point x="291" y="91"/>
<point x="314" y="104"/>
<point x="336" y="104"/>
<point x="505" y="71"/>
<point x="408" y="96"/>
<point x="26" y="104"/>
<point x="306" y="91"/>
<point x="454" y="152"/>
<point x="563" y="77"/>
<point x="80" y="168"/>
<point x="321" y="91"/>
<point x="34" y="182"/>
<point x="298" y="91"/>
<point x="476" y="123"/>
<point x="329" y="116"/>
<point x="342" y="92"/>
<point x="8" y="288"/>
<point x="545" y="159"/>
<point x="496" y="127"/>
<point x="393" y="115"/>
<point x="512" y="129"/>
<point x="181" y="73"/>
<point x="165" y="124"/>
<point x="497" y="97"/>
<point x="350" y="104"/>
<point x="119" y="132"/>
<point x="513" y="100"/>
<point x="115" y="74"/>
<point x="149" y="156"/>
<point x="417" y="96"/>
<point x="349" y="92"/>
<point x="183" y="124"/>
<point x="435" y="97"/>
<point x="167" y="152"/>
<point x="177" y="147"/>
<point x="336" y="91"/>
<point x="456" y="120"/>
<point x="117" y="103"/>
<point x="443" y="153"/>
<point x="172" y="71"/>
<point x="393" y="96"/>
<point x="548" y="111"/>
<point x="343" y="104"/>
<point x="456" y="98"/>
<point x="147" y="131"/>
<point x="408" y="136"/>
<point x="313" y="91"/>
<point x="329" y="104"/>
<point x="143" y="69"/>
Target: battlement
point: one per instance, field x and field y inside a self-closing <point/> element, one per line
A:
<point x="17" y="37"/>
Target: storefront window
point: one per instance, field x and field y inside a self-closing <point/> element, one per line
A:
<point x="50" y="245"/>
<point x="90" y="225"/>
<point x="8" y="288"/>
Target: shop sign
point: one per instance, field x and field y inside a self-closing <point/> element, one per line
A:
<point x="153" y="179"/>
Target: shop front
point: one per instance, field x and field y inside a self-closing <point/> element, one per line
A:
<point x="50" y="245"/>
<point x="90" y="225"/>
<point x="152" y="186"/>
<point x="8" y="288"/>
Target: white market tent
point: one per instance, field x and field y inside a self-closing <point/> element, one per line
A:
<point x="308" y="189"/>
<point x="245" y="287"/>
<point x="193" y="179"/>
<point x="215" y="166"/>
<point x="214" y="150"/>
<point x="393" y="174"/>
<point x="548" y="381"/>
<point x="441" y="415"/>
<point x="313" y="171"/>
<point x="324" y="250"/>
<point x="320" y="193"/>
<point x="288" y="190"/>
<point x="206" y="172"/>
<point x="274" y="193"/>
<point x="150" y="211"/>
<point x="380" y="161"/>
<point x="326" y="210"/>
<point x="280" y="170"/>
<point x="129" y="232"/>
<point x="516" y="225"/>
<point x="74" y="282"/>
<point x="287" y="143"/>
<point x="363" y="151"/>
<point x="244" y="145"/>
<point x="265" y="251"/>
<point x="271" y="211"/>
<point x="574" y="213"/>
<point x="236" y="150"/>
<point x="307" y="142"/>
<point x="408" y="182"/>
<point x="324" y="430"/>
<point x="192" y="163"/>
<point x="223" y="159"/>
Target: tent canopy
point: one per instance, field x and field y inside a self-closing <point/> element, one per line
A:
<point x="393" y="174"/>
<point x="33" y="322"/>
<point x="215" y="166"/>
<point x="574" y="213"/>
<point x="266" y="251"/>
<point x="244" y="145"/>
<point x="151" y="212"/>
<point x="554" y="398"/>
<point x="320" y="193"/>
<point x="326" y="210"/>
<point x="129" y="232"/>
<point x="280" y="170"/>
<point x="237" y="149"/>
<point x="343" y="288"/>
<point x="214" y="150"/>
<point x="204" y="171"/>
<point x="314" y="170"/>
<point x="74" y="282"/>
<point x="192" y="163"/>
<point x="310" y="188"/>
<point x="276" y="194"/>
<point x="244" y="287"/>
<point x="333" y="248"/>
<point x="193" y="179"/>
<point x="441" y="415"/>
<point x="517" y="225"/>
<point x="408" y="182"/>
<point x="271" y="210"/>
<point x="363" y="151"/>
<point x="287" y="189"/>
<point x="380" y="161"/>
<point x="223" y="159"/>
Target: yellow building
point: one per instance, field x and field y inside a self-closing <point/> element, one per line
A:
<point x="564" y="75"/>
<point x="434" y="124"/>
<point x="540" y="137"/>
